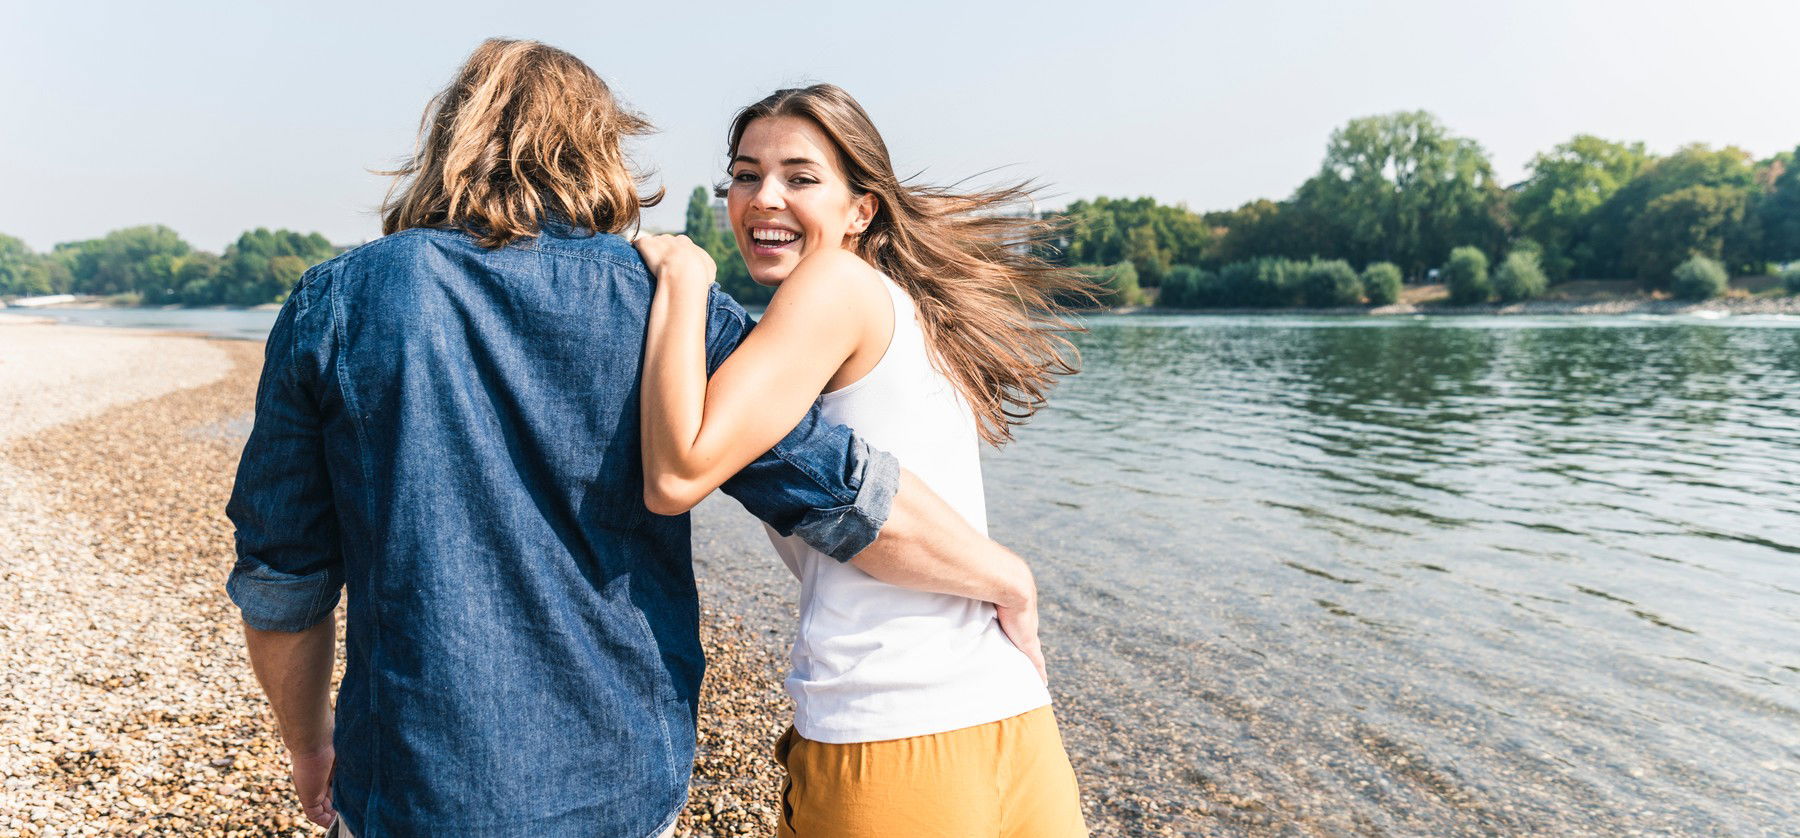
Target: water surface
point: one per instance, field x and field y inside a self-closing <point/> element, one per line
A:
<point x="1438" y="575"/>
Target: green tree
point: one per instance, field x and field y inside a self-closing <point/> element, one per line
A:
<point x="1466" y="275"/>
<point x="136" y="260"/>
<point x="1119" y="284"/>
<point x="698" y="224"/>
<point x="1615" y="245"/>
<point x="1697" y="220"/>
<point x="197" y="279"/>
<point x="1698" y="278"/>
<point x="19" y="271"/>
<point x="1780" y="209"/>
<point x="263" y="265"/>
<point x="1400" y="188"/>
<point x="733" y="275"/>
<point x="51" y="273"/>
<point x="1152" y="236"/>
<point x="1519" y="277"/>
<point x="1330" y="284"/>
<point x="1381" y="281"/>
<point x="1567" y="184"/>
<point x="1186" y="286"/>
<point x="1263" y="282"/>
<point x="1142" y="252"/>
<point x="1790" y="280"/>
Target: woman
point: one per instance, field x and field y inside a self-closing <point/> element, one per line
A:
<point x="928" y="325"/>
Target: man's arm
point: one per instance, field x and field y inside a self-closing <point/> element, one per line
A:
<point x="928" y="546"/>
<point x="294" y="669"/>
<point x="289" y="568"/>
<point x="854" y="503"/>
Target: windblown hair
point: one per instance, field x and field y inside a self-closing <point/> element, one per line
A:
<point x="524" y="132"/>
<point x="993" y="310"/>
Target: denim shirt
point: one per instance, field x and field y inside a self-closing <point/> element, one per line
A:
<point x="451" y="434"/>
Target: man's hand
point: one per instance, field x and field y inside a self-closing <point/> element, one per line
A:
<point x="312" y="784"/>
<point x="1021" y="626"/>
<point x="927" y="546"/>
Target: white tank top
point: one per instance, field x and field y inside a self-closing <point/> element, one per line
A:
<point x="873" y="661"/>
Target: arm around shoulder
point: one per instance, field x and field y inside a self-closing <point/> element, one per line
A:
<point x="698" y="432"/>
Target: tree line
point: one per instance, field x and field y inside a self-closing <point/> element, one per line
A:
<point x="154" y="266"/>
<point x="1396" y="198"/>
<point x="1400" y="192"/>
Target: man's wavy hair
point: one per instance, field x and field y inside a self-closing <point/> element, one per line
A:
<point x="524" y="132"/>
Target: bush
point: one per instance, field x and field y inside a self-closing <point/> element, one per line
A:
<point x="1330" y="284"/>
<point x="1186" y="286"/>
<point x="1118" y="284"/>
<point x="1466" y="274"/>
<point x="1520" y="277"/>
<point x="1263" y="282"/>
<point x="1381" y="281"/>
<point x="1790" y="279"/>
<point x="1699" y="278"/>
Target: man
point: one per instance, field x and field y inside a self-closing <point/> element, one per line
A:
<point x="447" y="427"/>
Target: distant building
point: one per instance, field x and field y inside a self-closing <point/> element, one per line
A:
<point x="721" y="216"/>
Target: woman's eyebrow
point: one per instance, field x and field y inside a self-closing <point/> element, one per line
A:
<point x="791" y="161"/>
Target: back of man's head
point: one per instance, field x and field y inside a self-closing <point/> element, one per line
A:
<point x="524" y="132"/>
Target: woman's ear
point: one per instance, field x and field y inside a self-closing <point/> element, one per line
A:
<point x="863" y="213"/>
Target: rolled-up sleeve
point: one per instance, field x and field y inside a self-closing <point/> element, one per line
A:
<point x="821" y="482"/>
<point x="289" y="568"/>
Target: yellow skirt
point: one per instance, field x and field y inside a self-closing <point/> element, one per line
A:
<point x="1004" y="779"/>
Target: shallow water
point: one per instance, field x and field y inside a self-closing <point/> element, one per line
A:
<point x="244" y="324"/>
<point x="1472" y="574"/>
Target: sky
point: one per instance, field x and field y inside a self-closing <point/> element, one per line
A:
<point x="214" y="118"/>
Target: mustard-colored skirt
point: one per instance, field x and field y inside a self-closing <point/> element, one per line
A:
<point x="1004" y="779"/>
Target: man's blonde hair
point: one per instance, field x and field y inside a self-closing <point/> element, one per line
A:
<point x="524" y="132"/>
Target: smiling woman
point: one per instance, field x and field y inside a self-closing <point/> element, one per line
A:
<point x="923" y="320"/>
<point x="990" y="308"/>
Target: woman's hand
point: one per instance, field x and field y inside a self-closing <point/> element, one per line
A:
<point x="676" y="259"/>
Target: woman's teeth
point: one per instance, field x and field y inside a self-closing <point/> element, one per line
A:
<point x="770" y="237"/>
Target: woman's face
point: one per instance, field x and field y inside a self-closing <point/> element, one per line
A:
<point x="789" y="196"/>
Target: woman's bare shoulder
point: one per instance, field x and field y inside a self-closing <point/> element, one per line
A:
<point x="837" y="278"/>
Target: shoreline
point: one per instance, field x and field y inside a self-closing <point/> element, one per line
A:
<point x="1725" y="306"/>
<point x="1595" y="307"/>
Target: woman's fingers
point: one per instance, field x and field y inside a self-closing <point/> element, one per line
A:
<point x="676" y="255"/>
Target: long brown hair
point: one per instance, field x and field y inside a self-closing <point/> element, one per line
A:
<point x="523" y="132"/>
<point x="992" y="309"/>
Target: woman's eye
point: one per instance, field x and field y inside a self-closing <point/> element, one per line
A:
<point x="744" y="177"/>
<point x="804" y="180"/>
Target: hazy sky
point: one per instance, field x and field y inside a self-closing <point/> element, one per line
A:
<point x="217" y="117"/>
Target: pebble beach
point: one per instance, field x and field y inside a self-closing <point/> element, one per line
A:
<point x="127" y="705"/>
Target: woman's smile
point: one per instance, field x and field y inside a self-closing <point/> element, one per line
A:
<point x="770" y="240"/>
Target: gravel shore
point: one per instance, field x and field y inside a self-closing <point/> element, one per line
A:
<point x="127" y="706"/>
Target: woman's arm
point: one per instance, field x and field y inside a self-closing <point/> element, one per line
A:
<point x="698" y="433"/>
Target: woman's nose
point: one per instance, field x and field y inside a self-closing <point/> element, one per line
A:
<point x="768" y="195"/>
